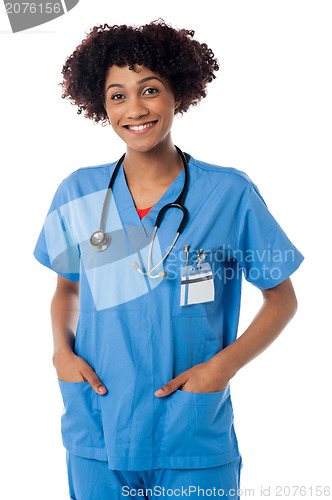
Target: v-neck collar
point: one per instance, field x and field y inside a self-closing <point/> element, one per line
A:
<point x="126" y="205"/>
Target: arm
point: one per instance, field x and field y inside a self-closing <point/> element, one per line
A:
<point x="64" y="316"/>
<point x="279" y="306"/>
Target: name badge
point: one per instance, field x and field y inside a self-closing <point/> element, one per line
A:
<point x="196" y="284"/>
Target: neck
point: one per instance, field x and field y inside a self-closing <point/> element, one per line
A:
<point x="156" y="166"/>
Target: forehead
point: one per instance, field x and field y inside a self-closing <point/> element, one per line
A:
<point x="125" y="76"/>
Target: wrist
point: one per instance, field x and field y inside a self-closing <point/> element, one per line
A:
<point x="61" y="352"/>
<point x="221" y="363"/>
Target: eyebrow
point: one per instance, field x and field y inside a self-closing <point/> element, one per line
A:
<point x="138" y="83"/>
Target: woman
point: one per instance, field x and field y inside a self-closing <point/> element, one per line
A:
<point x="146" y="309"/>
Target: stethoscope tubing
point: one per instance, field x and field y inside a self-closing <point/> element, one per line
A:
<point x="108" y="194"/>
<point x="100" y="240"/>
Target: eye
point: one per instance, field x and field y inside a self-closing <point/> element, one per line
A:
<point x="153" y="89"/>
<point x="115" y="95"/>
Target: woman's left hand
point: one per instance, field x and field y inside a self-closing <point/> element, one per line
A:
<point x="203" y="377"/>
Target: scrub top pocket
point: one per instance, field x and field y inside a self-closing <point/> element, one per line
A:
<point x="81" y="421"/>
<point x="198" y="424"/>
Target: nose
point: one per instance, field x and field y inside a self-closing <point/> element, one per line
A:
<point x="136" y="108"/>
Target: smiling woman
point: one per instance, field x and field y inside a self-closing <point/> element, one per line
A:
<point x="141" y="114"/>
<point x="144" y="364"/>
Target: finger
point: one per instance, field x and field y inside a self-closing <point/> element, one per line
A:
<point x="95" y="382"/>
<point x="170" y="387"/>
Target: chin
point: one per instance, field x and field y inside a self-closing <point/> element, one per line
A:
<point x="141" y="148"/>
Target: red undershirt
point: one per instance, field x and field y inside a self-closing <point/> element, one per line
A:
<point x="142" y="212"/>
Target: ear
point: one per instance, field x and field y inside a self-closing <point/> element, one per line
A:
<point x="177" y="103"/>
<point x="104" y="106"/>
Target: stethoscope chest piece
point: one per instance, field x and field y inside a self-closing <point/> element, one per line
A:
<point x="100" y="240"/>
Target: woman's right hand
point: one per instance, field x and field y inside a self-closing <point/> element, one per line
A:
<point x="73" y="368"/>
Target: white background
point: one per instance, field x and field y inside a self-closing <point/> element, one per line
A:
<point x="268" y="113"/>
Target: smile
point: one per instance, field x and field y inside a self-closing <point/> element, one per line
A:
<point x="140" y="128"/>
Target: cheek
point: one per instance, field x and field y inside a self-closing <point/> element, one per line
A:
<point x="166" y="111"/>
<point x="113" y="116"/>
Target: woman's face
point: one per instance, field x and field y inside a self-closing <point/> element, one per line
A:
<point x="139" y="98"/>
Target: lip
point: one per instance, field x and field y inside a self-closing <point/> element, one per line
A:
<point x="144" y="130"/>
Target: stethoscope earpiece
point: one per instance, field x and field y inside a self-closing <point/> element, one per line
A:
<point x="100" y="240"/>
<point x="135" y="266"/>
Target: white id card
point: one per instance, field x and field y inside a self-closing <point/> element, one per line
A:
<point x="196" y="284"/>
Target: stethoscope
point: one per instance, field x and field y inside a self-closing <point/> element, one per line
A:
<point x="100" y="240"/>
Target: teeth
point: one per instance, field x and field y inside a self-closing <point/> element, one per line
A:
<point x="141" y="127"/>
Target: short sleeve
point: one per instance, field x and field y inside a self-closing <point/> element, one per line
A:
<point x="265" y="254"/>
<point x="55" y="247"/>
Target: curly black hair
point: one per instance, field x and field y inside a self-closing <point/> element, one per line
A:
<point x="173" y="54"/>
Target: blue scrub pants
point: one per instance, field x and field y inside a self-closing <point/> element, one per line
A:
<point x="93" y="480"/>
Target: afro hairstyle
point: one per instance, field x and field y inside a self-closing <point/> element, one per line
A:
<point x="187" y="64"/>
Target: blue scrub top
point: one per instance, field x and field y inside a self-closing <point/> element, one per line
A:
<point x="132" y="329"/>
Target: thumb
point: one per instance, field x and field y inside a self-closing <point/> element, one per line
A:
<point x="95" y="382"/>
